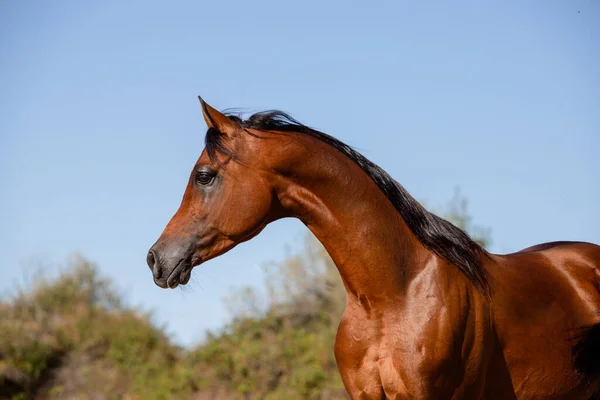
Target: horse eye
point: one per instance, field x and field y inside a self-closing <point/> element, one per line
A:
<point x="204" y="178"/>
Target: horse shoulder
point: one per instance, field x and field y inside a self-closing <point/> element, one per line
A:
<point x="435" y="341"/>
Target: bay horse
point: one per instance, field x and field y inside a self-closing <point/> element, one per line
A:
<point x="430" y="314"/>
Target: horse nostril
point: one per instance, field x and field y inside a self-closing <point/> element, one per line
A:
<point x="151" y="260"/>
<point x="153" y="264"/>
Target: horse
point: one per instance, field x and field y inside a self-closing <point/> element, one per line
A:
<point x="430" y="314"/>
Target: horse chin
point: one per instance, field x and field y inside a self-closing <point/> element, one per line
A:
<point x="180" y="275"/>
<point x="185" y="276"/>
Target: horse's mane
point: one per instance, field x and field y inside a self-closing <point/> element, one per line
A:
<point x="436" y="234"/>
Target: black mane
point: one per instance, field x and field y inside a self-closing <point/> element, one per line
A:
<point x="438" y="235"/>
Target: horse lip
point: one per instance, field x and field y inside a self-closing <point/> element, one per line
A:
<point x="173" y="278"/>
<point x="160" y="284"/>
<point x="184" y="276"/>
<point x="182" y="268"/>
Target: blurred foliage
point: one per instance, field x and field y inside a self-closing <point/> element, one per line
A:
<point x="285" y="352"/>
<point x="71" y="337"/>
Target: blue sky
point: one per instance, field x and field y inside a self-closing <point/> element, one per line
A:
<point x="100" y="125"/>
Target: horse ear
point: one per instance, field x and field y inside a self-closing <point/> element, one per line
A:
<point x="217" y="120"/>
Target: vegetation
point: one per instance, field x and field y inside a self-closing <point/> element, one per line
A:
<point x="72" y="338"/>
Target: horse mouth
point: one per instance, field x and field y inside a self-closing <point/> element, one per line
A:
<point x="180" y="275"/>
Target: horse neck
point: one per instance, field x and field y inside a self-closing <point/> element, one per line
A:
<point x="374" y="250"/>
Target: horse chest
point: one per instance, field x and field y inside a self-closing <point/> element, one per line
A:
<point x="377" y="361"/>
<point x="413" y="352"/>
